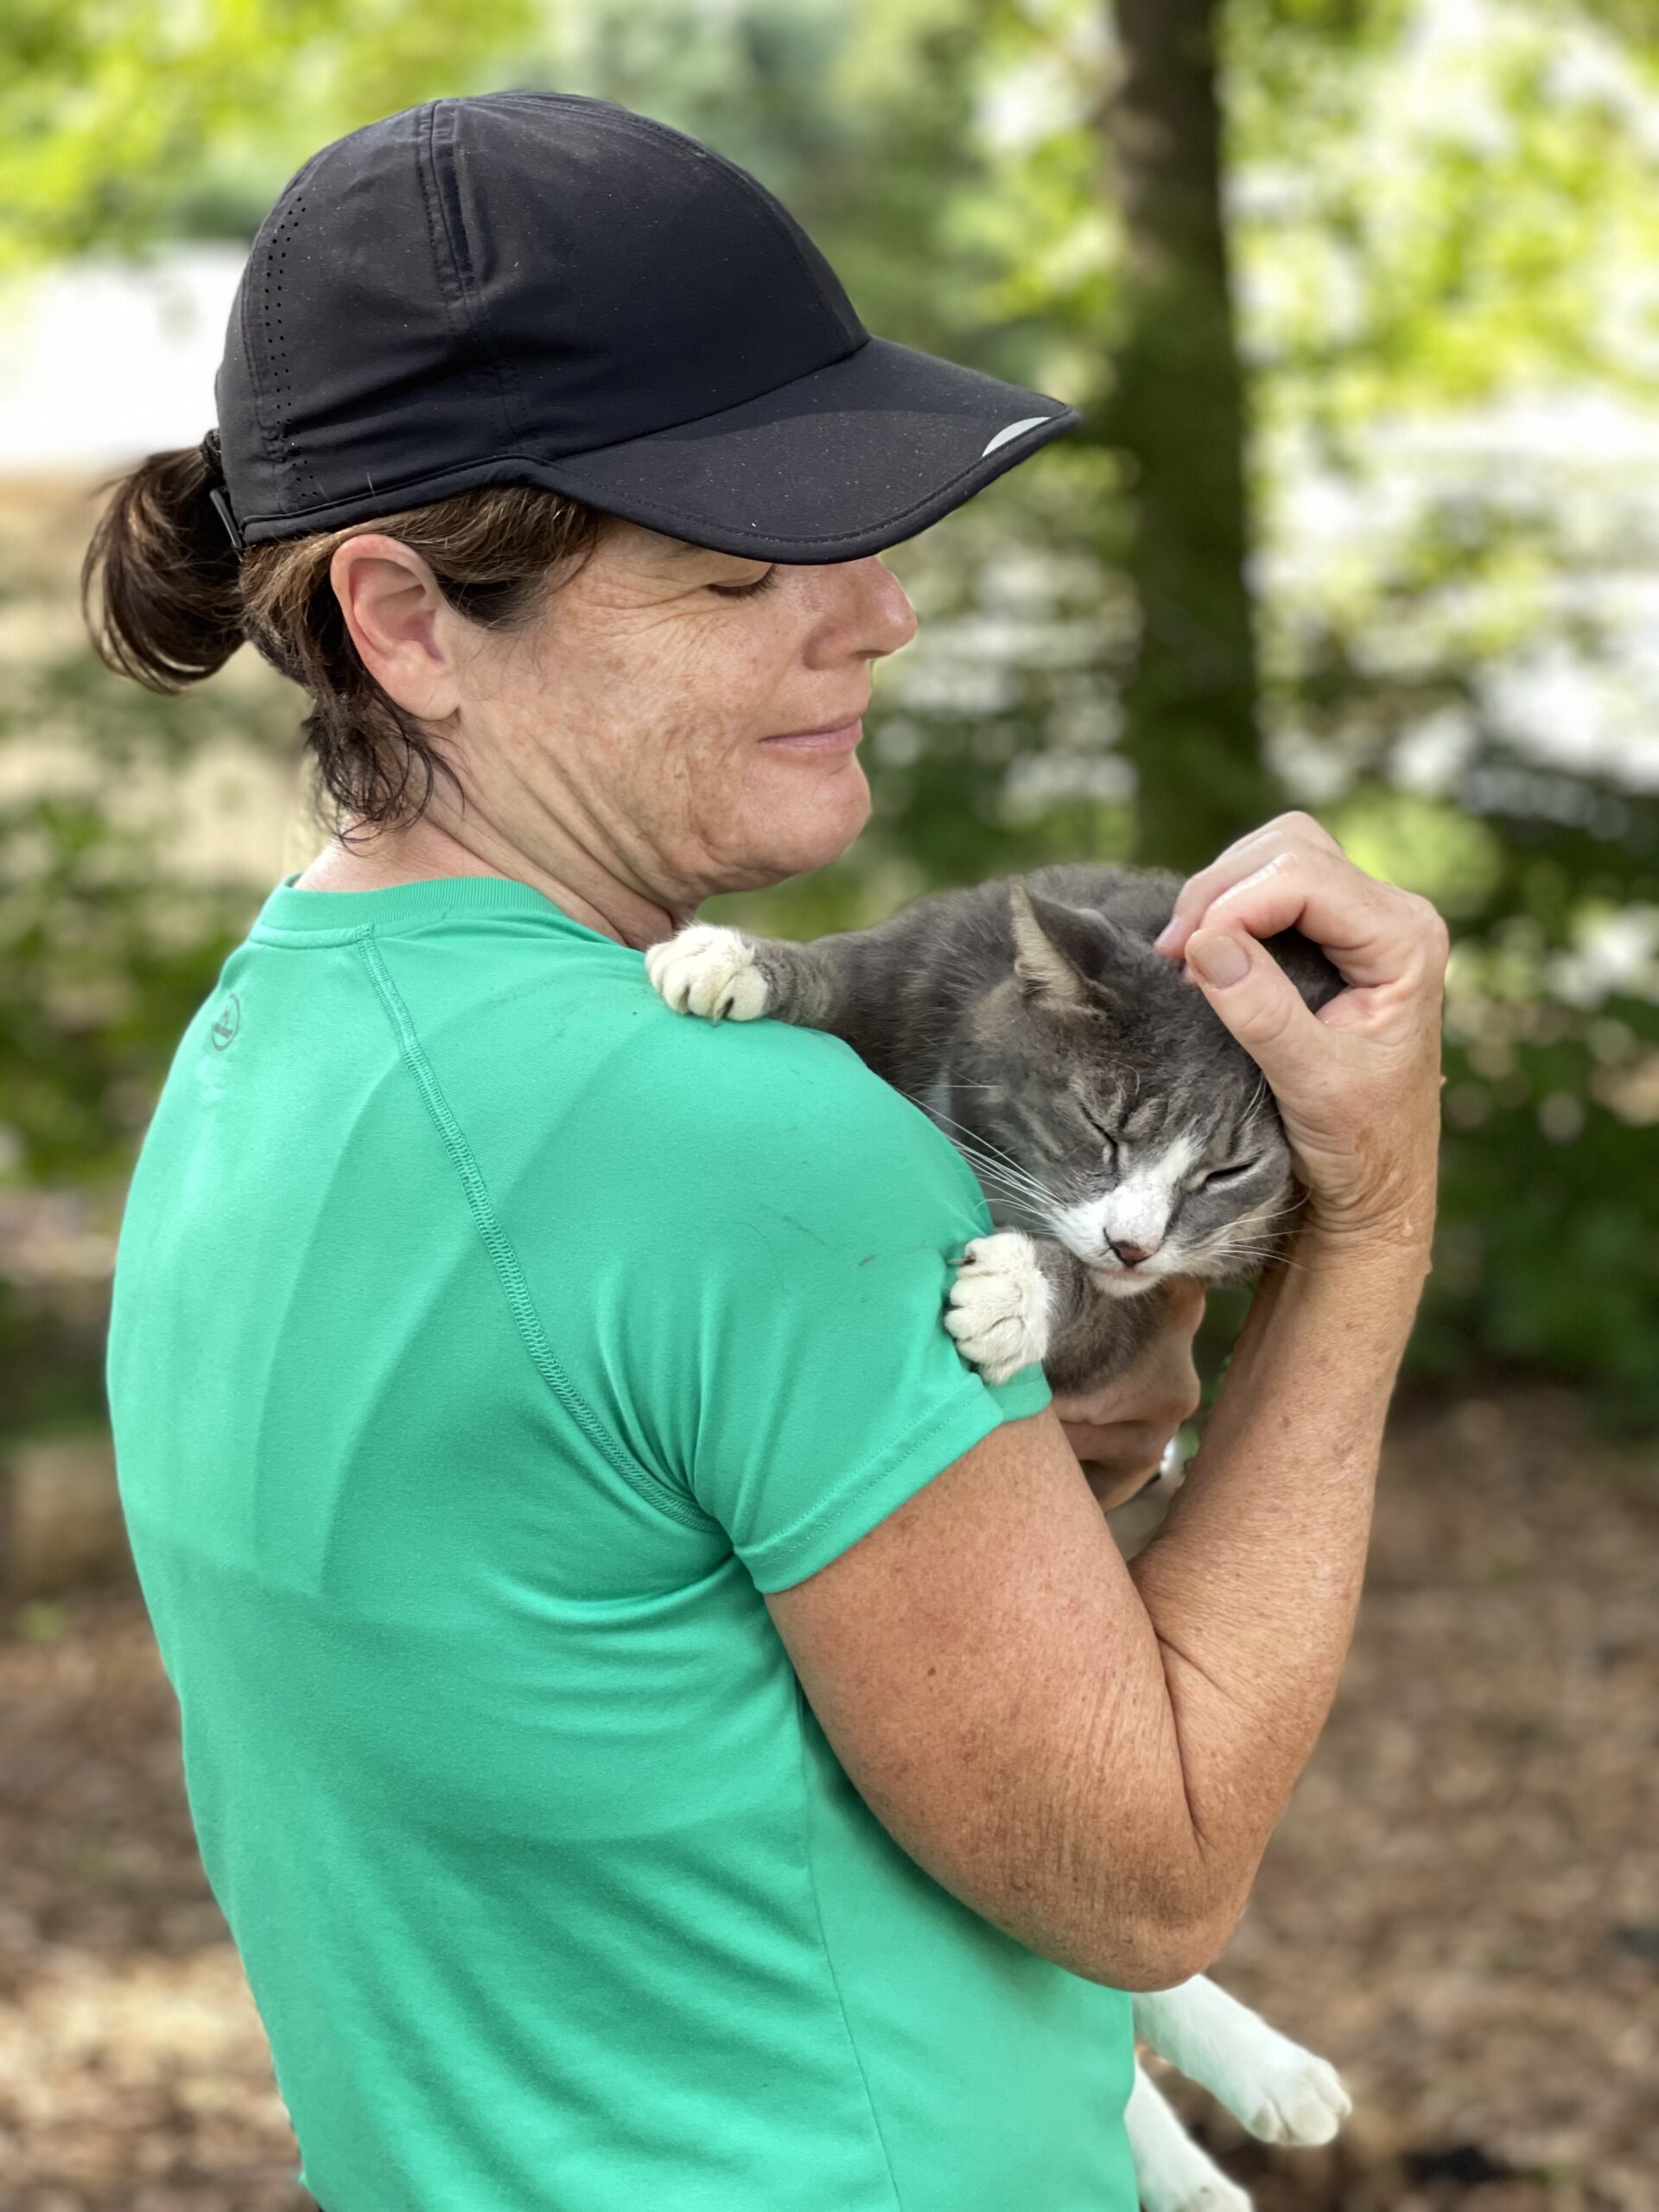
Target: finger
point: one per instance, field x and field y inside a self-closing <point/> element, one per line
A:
<point x="1146" y="1422"/>
<point x="1160" y="1389"/>
<point x="1113" y="1484"/>
<point x="1162" y="1375"/>
<point x="1185" y="1299"/>
<point x="1241" y="858"/>
<point x="1372" y="933"/>
<point x="1257" y="1001"/>
<point x="1128" y="1446"/>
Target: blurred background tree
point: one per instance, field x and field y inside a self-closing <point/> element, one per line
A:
<point x="1358" y="300"/>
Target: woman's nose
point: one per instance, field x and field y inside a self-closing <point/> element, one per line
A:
<point x="878" y="612"/>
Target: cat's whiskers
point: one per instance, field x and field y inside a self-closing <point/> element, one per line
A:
<point x="1233" y="1250"/>
<point x="1255" y="1238"/>
<point x="992" y="1169"/>
<point x="973" y="1138"/>
<point x="982" y="1149"/>
<point x="1035" y="1202"/>
<point x="1263" y="1214"/>
<point x="1010" y="1169"/>
<point x="1035" y="1206"/>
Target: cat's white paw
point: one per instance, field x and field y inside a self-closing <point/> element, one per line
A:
<point x="998" y="1310"/>
<point x="1279" y="2091"/>
<point x="1175" y="2174"/>
<point x="1295" y="2098"/>
<point x="707" y="970"/>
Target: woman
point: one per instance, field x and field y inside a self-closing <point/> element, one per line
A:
<point x="662" y="1731"/>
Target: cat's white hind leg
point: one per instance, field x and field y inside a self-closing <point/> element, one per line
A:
<point x="1171" y="2173"/>
<point x="707" y="970"/>
<point x="1273" y="2087"/>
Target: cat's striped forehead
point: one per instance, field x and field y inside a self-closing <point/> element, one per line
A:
<point x="1187" y="1100"/>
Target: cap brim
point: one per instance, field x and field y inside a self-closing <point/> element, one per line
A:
<point x="839" y="464"/>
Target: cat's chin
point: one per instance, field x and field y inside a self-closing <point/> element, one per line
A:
<point x="1119" y="1282"/>
<point x="1225" y="1270"/>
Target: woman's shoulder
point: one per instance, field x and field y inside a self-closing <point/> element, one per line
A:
<point x="756" y="1105"/>
<point x="752" y="1081"/>
<point x="573" y="1072"/>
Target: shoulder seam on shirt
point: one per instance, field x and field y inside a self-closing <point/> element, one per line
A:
<point x="509" y="1272"/>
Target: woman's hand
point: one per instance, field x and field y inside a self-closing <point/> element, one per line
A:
<point x="1358" y="1082"/>
<point x="1119" y="1433"/>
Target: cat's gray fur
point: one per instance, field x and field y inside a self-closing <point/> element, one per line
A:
<point x="1031" y="1019"/>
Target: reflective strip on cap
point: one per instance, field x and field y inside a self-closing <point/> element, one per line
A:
<point x="1029" y="423"/>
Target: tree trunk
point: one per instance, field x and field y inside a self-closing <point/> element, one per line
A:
<point x="1177" y="413"/>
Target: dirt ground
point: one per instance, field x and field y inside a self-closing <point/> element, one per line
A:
<point x="1460" y="1909"/>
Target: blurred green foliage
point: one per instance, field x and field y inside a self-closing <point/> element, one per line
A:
<point x="1422" y="239"/>
<point x="119" y="125"/>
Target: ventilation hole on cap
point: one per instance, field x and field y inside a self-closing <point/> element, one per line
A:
<point x="276" y="337"/>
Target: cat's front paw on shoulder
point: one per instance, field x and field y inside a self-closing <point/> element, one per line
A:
<point x="707" y="970"/>
<point x="1000" y="1304"/>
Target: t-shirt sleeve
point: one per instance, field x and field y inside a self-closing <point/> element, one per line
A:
<point x="772" y="1318"/>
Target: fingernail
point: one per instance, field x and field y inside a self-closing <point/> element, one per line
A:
<point x="1220" y="959"/>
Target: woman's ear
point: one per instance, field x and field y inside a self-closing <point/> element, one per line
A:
<point x="396" y="615"/>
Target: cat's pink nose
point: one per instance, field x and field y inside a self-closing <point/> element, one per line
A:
<point x="1131" y="1255"/>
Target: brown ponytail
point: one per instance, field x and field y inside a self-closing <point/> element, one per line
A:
<point x="178" y="598"/>
<point x="170" y="611"/>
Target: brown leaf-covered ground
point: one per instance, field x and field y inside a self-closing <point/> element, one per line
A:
<point x="1461" y="1907"/>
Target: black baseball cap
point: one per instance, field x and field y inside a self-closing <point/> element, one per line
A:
<point x="542" y="287"/>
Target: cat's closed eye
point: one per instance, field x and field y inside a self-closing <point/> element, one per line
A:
<point x="1097" y="1125"/>
<point x="1225" y="1174"/>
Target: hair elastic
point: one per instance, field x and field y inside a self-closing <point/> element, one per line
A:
<point x="222" y="507"/>
<point x="214" y="465"/>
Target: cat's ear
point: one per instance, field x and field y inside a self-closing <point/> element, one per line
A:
<point x="1058" y="951"/>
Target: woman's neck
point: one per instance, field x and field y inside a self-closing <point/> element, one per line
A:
<point x="425" y="850"/>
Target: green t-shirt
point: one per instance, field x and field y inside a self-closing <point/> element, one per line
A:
<point x="486" y="1338"/>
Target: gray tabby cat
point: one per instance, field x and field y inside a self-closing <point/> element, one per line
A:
<point x="1122" y="1136"/>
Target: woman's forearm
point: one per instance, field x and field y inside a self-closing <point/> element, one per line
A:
<point x="1253" y="1583"/>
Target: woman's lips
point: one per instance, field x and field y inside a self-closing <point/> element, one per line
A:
<point x="841" y="739"/>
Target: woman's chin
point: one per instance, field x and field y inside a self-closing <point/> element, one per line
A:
<point x="804" y="821"/>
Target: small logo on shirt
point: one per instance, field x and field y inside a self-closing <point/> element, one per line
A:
<point x="1028" y="422"/>
<point x="227" y="1023"/>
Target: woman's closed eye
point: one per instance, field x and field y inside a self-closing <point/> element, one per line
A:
<point x="746" y="591"/>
